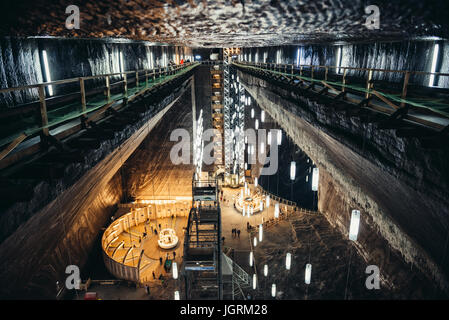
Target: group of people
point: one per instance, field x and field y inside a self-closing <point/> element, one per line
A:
<point x="235" y="233"/>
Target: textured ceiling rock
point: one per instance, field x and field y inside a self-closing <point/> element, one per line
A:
<point x="226" y="23"/>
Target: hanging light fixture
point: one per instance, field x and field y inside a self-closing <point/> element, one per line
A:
<point x="175" y="270"/>
<point x="261" y="206"/>
<point x="276" y="210"/>
<point x="267" y="201"/>
<point x="292" y="170"/>
<point x="273" y="290"/>
<point x="315" y="176"/>
<point x="262" y="147"/>
<point x="354" y="227"/>
<point x="308" y="273"/>
<point x="252" y="113"/>
<point x="251" y="259"/>
<point x="257" y="124"/>
<point x="256" y="181"/>
<point x="176" y="295"/>
<point x="262" y="116"/>
<point x="255" y="241"/>
<point x="254" y="281"/>
<point x="288" y="261"/>
<point x="243" y="210"/>
<point x="260" y="232"/>
<point x="279" y="137"/>
<point x="265" y="270"/>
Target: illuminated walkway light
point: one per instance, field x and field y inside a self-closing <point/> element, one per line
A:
<point x="265" y="270"/>
<point x="276" y="210"/>
<point x="273" y="290"/>
<point x="176" y="295"/>
<point x="175" y="270"/>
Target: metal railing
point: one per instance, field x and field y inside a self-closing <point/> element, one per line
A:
<point x="388" y="97"/>
<point x="142" y="79"/>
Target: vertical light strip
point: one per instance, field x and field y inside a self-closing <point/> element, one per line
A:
<point x="338" y="59"/>
<point x="436" y="49"/>
<point x="47" y="72"/>
<point x="122" y="66"/>
<point x="297" y="58"/>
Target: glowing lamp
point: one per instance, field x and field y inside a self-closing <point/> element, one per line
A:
<point x="354" y="227"/>
<point x="254" y="281"/>
<point x="260" y="232"/>
<point x="255" y="242"/>
<point x="255" y="182"/>
<point x="279" y="137"/>
<point x="262" y="116"/>
<point x="175" y="270"/>
<point x="292" y="170"/>
<point x="257" y="124"/>
<point x="315" y="176"/>
<point x="251" y="259"/>
<point x="267" y="201"/>
<point x="308" y="273"/>
<point x="176" y="295"/>
<point x="288" y="261"/>
<point x="265" y="270"/>
<point x="252" y="113"/>
<point x="273" y="290"/>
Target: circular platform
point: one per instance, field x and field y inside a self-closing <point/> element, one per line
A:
<point x="167" y="239"/>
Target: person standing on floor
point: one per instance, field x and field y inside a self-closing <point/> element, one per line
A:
<point x="238" y="233"/>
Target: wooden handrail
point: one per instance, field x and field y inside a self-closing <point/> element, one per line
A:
<point x="348" y="68"/>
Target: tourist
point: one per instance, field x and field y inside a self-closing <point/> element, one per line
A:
<point x="174" y="255"/>
<point x="154" y="276"/>
<point x="223" y="239"/>
<point x="160" y="260"/>
<point x="238" y="233"/>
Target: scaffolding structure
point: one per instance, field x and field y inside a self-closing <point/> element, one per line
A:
<point x="234" y="121"/>
<point x="202" y="266"/>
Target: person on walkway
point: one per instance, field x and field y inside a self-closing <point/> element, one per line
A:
<point x="223" y="239"/>
<point x="155" y="231"/>
<point x="238" y="233"/>
<point x="147" y="289"/>
<point x="159" y="226"/>
<point x="160" y="260"/>
<point x="154" y="276"/>
<point x="174" y="255"/>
